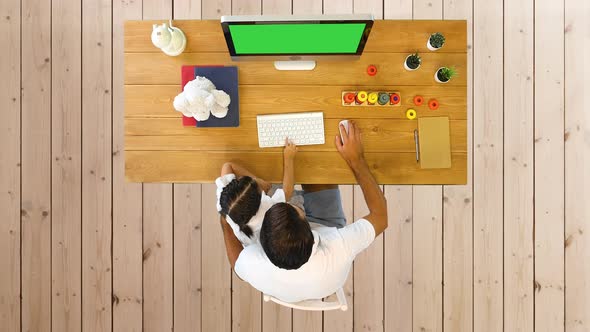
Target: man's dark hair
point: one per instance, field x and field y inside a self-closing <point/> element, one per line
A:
<point x="286" y="237"/>
<point x="240" y="200"/>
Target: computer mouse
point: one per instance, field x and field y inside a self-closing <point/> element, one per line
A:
<point x="345" y="124"/>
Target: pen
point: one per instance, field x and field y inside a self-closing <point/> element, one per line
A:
<point x="417" y="145"/>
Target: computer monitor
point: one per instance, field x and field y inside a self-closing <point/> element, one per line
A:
<point x="295" y="42"/>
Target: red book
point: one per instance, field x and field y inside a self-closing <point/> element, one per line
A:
<point x="187" y="75"/>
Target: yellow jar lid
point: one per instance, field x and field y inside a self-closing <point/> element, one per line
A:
<point x="373" y="96"/>
<point x="411" y="114"/>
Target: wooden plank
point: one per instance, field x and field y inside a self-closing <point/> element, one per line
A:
<point x="518" y="170"/>
<point x="246" y="300"/>
<point x="549" y="166"/>
<point x="66" y="253"/>
<point x="335" y="7"/>
<point x="458" y="209"/>
<point x="207" y="36"/>
<point x="187" y="257"/>
<point x="307" y="7"/>
<point x="157" y="257"/>
<point x="388" y="130"/>
<point x="10" y="133"/>
<point x="307" y="321"/>
<point x="156" y="101"/>
<point x="457" y="260"/>
<point x="304" y="321"/>
<point x="149" y="166"/>
<point x="276" y="7"/>
<point x="487" y="166"/>
<point x="577" y="163"/>
<point x="398" y="259"/>
<point x="375" y="7"/>
<point x="381" y="136"/>
<point x="427" y="258"/>
<point x="144" y="70"/>
<point x="216" y="295"/>
<point x="275" y="317"/>
<point x="36" y="212"/>
<point x="244" y="7"/>
<point x="402" y="9"/>
<point x="217" y="281"/>
<point x="398" y="237"/>
<point x="246" y="306"/>
<point x="368" y="266"/>
<point x="96" y="165"/>
<point x="127" y="197"/>
<point x="426" y="9"/>
<point x="183" y="10"/>
<point x="428" y="230"/>
<point x="159" y="11"/>
<point x="157" y="227"/>
<point x="66" y="167"/>
<point x="337" y="320"/>
<point x="368" y="277"/>
<point x="213" y="10"/>
<point x="187" y="230"/>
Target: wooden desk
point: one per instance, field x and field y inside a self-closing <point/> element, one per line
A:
<point x="159" y="149"/>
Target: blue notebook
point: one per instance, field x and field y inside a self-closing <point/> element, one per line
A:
<point x="226" y="79"/>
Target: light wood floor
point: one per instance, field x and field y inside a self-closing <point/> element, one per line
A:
<point x="80" y="249"/>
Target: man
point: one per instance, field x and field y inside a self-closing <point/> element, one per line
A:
<point x="307" y="254"/>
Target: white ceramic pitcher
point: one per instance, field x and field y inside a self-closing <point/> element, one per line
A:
<point x="171" y="40"/>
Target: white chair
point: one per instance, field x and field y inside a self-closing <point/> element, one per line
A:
<point x="314" y="305"/>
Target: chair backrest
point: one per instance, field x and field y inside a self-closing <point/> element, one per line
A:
<point x="314" y="305"/>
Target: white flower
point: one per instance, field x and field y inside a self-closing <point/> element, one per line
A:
<point x="197" y="97"/>
<point x="201" y="115"/>
<point x="219" y="111"/>
<point x="200" y="99"/>
<point x="180" y="103"/>
<point x="210" y="101"/>
<point x="222" y="98"/>
<point x="200" y="83"/>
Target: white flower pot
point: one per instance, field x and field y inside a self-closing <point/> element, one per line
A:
<point x="436" y="76"/>
<point x="406" y="64"/>
<point x="430" y="47"/>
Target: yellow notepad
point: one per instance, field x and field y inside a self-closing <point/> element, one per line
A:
<point x="435" y="142"/>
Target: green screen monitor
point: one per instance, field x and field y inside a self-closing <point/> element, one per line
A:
<point x="297" y="40"/>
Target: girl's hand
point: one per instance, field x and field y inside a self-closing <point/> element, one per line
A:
<point x="265" y="186"/>
<point x="290" y="150"/>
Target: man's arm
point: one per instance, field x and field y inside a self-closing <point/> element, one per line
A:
<point x="232" y="244"/>
<point x="239" y="171"/>
<point x="351" y="150"/>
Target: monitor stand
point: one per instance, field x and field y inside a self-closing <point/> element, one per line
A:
<point x="294" y="65"/>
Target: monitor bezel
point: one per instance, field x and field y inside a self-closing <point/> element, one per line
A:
<point x="226" y="21"/>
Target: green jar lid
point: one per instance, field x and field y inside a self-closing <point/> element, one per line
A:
<point x="383" y="98"/>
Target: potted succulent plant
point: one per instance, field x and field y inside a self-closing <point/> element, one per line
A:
<point x="444" y="74"/>
<point x="436" y="41"/>
<point x="413" y="62"/>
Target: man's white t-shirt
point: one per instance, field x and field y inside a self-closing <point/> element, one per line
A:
<point x="325" y="272"/>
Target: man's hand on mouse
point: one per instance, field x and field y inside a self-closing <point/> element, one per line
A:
<point x="351" y="145"/>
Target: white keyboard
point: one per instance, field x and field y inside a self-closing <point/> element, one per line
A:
<point x="301" y="128"/>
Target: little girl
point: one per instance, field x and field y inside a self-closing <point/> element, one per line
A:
<point x="243" y="199"/>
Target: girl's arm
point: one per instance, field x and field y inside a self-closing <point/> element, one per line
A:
<point x="289" y="168"/>
<point x="239" y="171"/>
<point x="232" y="244"/>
